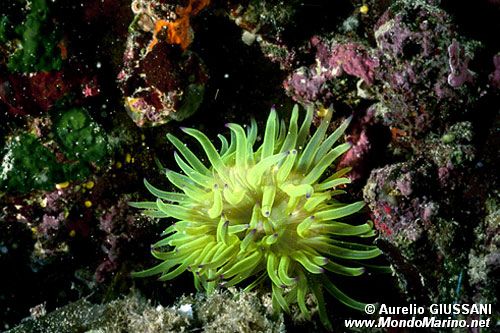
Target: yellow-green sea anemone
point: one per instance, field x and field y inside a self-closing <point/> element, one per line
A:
<point x="264" y="214"/>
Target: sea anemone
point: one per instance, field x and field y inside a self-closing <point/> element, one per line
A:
<point x="264" y="214"/>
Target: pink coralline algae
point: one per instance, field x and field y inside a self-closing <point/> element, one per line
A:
<point x="415" y="77"/>
<point x="414" y="194"/>
<point x="424" y="67"/>
<point x="119" y="228"/>
<point x="369" y="140"/>
<point x="459" y="62"/>
<point x="398" y="200"/>
<point x="314" y="83"/>
<point x="51" y="223"/>
<point x="398" y="37"/>
<point x="351" y="58"/>
<point x="355" y="155"/>
<point x="305" y="86"/>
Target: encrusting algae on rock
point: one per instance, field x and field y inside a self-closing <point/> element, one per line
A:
<point x="179" y="30"/>
<point x="161" y="79"/>
<point x="267" y="213"/>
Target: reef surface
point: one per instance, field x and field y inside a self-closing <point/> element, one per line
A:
<point x="89" y="90"/>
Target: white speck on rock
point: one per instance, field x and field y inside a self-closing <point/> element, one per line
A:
<point x="186" y="310"/>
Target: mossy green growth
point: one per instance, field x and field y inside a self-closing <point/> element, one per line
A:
<point x="264" y="214"/>
<point x="39" y="39"/>
<point x="28" y="165"/>
<point x="81" y="138"/>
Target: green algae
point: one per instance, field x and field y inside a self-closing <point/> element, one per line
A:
<point x="27" y="165"/>
<point x="80" y="137"/>
<point x="39" y="38"/>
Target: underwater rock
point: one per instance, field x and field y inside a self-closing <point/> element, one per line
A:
<point x="484" y="259"/>
<point x="418" y="72"/>
<point x="160" y="80"/>
<point x="495" y="75"/>
<point x="416" y="234"/>
<point x="174" y="17"/>
<point x="120" y="227"/>
<point x="369" y="141"/>
<point x="422" y="94"/>
<point x="235" y="311"/>
<point x="263" y="20"/>
<point x="454" y="150"/>
<point x="32" y="94"/>
<point x="459" y="62"/>
<point x="229" y="311"/>
<point x="399" y="199"/>
<point x="423" y="68"/>
<point x="337" y="69"/>
<point x="265" y="23"/>
<point x="282" y="28"/>
<point x="426" y="213"/>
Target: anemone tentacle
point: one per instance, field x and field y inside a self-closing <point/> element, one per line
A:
<point x="264" y="212"/>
